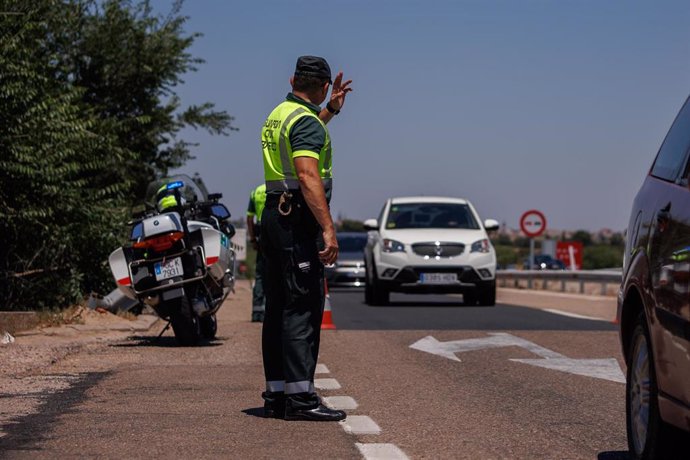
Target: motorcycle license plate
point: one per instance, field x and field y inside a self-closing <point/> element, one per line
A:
<point x="169" y="269"/>
<point x="438" y="278"/>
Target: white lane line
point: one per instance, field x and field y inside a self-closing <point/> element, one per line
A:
<point x="322" y="369"/>
<point x="371" y="451"/>
<point x="340" y="402"/>
<point x="547" y="293"/>
<point x="360" y="424"/>
<point x="326" y="384"/>
<point x="573" y="315"/>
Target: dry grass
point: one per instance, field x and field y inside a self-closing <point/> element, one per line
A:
<point x="58" y="317"/>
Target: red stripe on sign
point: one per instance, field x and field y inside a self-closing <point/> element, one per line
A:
<point x="211" y="260"/>
<point x="124" y="281"/>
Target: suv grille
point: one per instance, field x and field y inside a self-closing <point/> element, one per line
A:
<point x="438" y="249"/>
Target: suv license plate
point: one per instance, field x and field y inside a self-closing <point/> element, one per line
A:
<point x="439" y="278"/>
<point x="169" y="269"/>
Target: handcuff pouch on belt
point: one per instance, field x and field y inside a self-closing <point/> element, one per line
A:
<point x="285" y="204"/>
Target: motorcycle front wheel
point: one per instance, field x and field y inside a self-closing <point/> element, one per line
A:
<point x="185" y="324"/>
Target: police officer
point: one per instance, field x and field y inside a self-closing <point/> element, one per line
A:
<point x="257" y="201"/>
<point x="297" y="238"/>
<point x="166" y="199"/>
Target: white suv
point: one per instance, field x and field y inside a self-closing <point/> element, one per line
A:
<point x="430" y="245"/>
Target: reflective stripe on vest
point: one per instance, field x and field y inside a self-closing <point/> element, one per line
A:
<point x="279" y="167"/>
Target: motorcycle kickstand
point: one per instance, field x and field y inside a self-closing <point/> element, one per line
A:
<point x="167" y="326"/>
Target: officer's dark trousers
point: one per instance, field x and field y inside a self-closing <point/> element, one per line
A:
<point x="294" y="289"/>
<point x="258" y="300"/>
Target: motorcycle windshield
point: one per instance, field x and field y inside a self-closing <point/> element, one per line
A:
<point x="192" y="189"/>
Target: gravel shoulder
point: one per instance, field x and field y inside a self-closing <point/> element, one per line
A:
<point x="28" y="364"/>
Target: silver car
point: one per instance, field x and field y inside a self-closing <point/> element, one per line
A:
<point x="348" y="271"/>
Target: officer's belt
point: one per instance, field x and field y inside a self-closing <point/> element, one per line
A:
<point x="292" y="185"/>
<point x="273" y="198"/>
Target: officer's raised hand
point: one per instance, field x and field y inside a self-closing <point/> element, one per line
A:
<point x="335" y="103"/>
<point x="339" y="92"/>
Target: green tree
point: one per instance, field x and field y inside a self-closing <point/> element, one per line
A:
<point x="129" y="60"/>
<point x="583" y="236"/>
<point x="602" y="256"/>
<point x="55" y="200"/>
<point x="350" y="225"/>
<point x="88" y="116"/>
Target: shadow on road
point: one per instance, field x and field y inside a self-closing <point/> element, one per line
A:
<point x="165" y="342"/>
<point x="613" y="455"/>
<point x="255" y="412"/>
<point x="24" y="434"/>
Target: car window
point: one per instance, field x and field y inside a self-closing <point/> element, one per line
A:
<point x="671" y="157"/>
<point x="431" y="215"/>
<point x="352" y="243"/>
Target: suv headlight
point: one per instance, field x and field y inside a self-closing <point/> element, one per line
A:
<point x="481" y="246"/>
<point x="392" y="246"/>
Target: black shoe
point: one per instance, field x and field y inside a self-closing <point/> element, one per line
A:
<point x="271" y="411"/>
<point x="274" y="405"/>
<point x="318" y="414"/>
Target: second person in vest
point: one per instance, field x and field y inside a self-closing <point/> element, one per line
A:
<point x="257" y="201"/>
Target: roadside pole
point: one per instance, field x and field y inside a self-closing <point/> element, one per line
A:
<point x="532" y="224"/>
<point x="531" y="253"/>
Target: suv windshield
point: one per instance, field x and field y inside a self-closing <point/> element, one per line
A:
<point x="431" y="215"/>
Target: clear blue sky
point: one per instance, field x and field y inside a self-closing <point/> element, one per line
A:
<point x="559" y="106"/>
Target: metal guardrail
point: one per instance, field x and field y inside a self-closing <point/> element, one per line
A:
<point x="603" y="277"/>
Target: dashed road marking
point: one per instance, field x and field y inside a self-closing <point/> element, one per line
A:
<point x="372" y="451"/>
<point x="357" y="424"/>
<point x="573" y="315"/>
<point x="326" y="384"/>
<point x="360" y="424"/>
<point x="340" y="402"/>
<point x="322" y="369"/>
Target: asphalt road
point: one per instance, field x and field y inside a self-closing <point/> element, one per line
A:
<point x="510" y="385"/>
<point x="447" y="312"/>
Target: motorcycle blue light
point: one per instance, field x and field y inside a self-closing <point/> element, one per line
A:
<point x="174" y="185"/>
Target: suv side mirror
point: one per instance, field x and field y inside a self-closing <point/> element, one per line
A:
<point x="491" y="225"/>
<point x="371" y="224"/>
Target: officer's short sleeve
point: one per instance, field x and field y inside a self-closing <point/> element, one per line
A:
<point x="307" y="137"/>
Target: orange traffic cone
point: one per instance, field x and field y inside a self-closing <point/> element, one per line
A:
<point x="327" y="321"/>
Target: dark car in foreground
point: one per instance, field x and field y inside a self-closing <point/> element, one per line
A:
<point x="654" y="304"/>
<point x="348" y="270"/>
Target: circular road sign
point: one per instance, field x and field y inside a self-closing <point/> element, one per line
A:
<point x="533" y="223"/>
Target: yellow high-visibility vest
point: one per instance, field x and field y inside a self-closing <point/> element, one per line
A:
<point x="279" y="165"/>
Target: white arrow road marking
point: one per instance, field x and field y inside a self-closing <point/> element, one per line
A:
<point x="607" y="369"/>
<point x="495" y="340"/>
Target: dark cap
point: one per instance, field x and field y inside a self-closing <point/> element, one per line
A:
<point x="313" y="66"/>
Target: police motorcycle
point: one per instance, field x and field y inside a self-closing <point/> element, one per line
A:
<point x="179" y="260"/>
